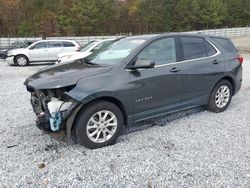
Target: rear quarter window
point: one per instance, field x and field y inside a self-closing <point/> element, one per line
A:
<point x="225" y="44"/>
<point x="68" y="44"/>
<point x="210" y="49"/>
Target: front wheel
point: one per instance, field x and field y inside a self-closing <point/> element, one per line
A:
<point x="221" y="96"/>
<point x="99" y="124"/>
<point x="21" y="60"/>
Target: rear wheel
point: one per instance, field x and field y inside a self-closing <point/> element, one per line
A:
<point x="99" y="124"/>
<point x="221" y="96"/>
<point x="21" y="60"/>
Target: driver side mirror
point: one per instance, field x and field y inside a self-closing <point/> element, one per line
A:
<point x="142" y="64"/>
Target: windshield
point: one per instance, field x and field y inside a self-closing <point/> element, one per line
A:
<point x="115" y="53"/>
<point x="88" y="46"/>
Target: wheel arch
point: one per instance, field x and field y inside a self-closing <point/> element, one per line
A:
<point x="20" y="55"/>
<point x="113" y="100"/>
<point x="229" y="79"/>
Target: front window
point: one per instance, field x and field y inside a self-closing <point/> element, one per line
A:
<point x="116" y="52"/>
<point x="161" y="51"/>
<point x="40" y="45"/>
<point x="88" y="46"/>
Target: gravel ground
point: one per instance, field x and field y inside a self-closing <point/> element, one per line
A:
<point x="199" y="150"/>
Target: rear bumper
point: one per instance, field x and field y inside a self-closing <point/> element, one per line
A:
<point x="10" y="60"/>
<point x="238" y="79"/>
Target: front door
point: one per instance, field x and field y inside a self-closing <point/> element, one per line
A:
<point x="39" y="52"/>
<point x="156" y="90"/>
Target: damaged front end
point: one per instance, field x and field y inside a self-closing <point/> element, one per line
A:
<point x="52" y="107"/>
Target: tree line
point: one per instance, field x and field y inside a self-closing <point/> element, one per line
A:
<point x="109" y="17"/>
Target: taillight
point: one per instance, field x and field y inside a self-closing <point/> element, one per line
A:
<point x="240" y="59"/>
<point x="78" y="48"/>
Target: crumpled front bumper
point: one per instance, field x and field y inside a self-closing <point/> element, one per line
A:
<point x="43" y="114"/>
<point x="10" y="60"/>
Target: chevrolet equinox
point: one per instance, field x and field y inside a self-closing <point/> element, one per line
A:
<point x="133" y="79"/>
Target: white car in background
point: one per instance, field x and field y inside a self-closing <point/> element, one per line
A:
<point x="40" y="51"/>
<point x="84" y="51"/>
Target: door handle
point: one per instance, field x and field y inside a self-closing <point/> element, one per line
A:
<point x="216" y="62"/>
<point x="175" y="70"/>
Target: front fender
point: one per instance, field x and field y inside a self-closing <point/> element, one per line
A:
<point x="115" y="86"/>
<point x="109" y="85"/>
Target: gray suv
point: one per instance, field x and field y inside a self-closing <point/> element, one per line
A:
<point x="134" y="79"/>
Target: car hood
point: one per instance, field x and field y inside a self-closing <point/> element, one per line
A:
<point x="17" y="50"/>
<point x="64" y="74"/>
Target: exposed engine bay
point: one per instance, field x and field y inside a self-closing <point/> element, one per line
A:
<point x="51" y="107"/>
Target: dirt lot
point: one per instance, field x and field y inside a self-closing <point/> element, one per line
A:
<point x="199" y="150"/>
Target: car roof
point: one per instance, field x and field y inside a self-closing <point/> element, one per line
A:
<point x="148" y="37"/>
<point x="57" y="40"/>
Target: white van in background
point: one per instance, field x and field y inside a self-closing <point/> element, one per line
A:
<point x="40" y="51"/>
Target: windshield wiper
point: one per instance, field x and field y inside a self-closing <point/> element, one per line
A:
<point x="90" y="63"/>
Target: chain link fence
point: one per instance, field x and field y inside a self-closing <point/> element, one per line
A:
<point x="226" y="32"/>
<point x="240" y="36"/>
<point x="7" y="41"/>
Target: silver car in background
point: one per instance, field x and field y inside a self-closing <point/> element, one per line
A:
<point x="41" y="51"/>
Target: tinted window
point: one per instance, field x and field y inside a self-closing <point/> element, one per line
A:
<point x="161" y="51"/>
<point x="210" y="49"/>
<point x="54" y="44"/>
<point x="68" y="44"/>
<point x="193" y="47"/>
<point x="226" y="44"/>
<point x="88" y="46"/>
<point x="101" y="45"/>
<point x="41" y="45"/>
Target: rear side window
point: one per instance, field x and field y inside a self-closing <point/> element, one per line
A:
<point x="193" y="47"/>
<point x="54" y="44"/>
<point x="68" y="44"/>
<point x="226" y="44"/>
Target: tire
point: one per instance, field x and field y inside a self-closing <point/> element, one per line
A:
<point x="220" y="97"/>
<point x="90" y="129"/>
<point x="21" y="60"/>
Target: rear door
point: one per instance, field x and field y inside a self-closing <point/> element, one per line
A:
<point x="156" y="90"/>
<point x="55" y="47"/>
<point x="69" y="46"/>
<point x="39" y="52"/>
<point x="201" y="68"/>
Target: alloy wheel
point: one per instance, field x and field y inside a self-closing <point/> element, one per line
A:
<point x="222" y="96"/>
<point x="22" y="61"/>
<point x="101" y="126"/>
